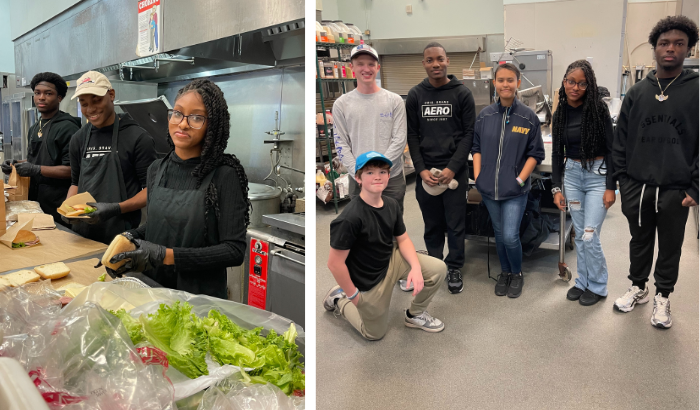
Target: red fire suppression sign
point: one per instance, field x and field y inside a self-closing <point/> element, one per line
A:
<point x="257" y="277"/>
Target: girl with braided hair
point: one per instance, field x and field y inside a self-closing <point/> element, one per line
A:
<point x="198" y="206"/>
<point x="582" y="138"/>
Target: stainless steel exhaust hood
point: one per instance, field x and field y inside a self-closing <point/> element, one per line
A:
<point x="219" y="34"/>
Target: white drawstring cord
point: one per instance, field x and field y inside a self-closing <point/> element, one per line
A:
<point x="656" y="202"/>
<point x="641" y="197"/>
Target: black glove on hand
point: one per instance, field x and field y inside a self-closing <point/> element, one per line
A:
<point x="122" y="269"/>
<point x="105" y="211"/>
<point x="7" y="166"/>
<point x="147" y="256"/>
<point x="27" y="169"/>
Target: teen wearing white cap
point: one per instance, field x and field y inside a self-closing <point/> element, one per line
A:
<point x="109" y="158"/>
<point x="371" y="118"/>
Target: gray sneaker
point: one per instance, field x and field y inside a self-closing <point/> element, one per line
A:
<point x="334" y="294"/>
<point x="424" y="322"/>
<point x="661" y="315"/>
<point x="633" y="296"/>
<point x="402" y="285"/>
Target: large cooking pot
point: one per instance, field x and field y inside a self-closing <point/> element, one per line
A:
<point x="265" y="200"/>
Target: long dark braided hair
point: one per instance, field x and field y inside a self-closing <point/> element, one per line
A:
<point x="593" y="121"/>
<point x="215" y="142"/>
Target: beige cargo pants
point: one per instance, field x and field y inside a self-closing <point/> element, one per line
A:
<point x="371" y="315"/>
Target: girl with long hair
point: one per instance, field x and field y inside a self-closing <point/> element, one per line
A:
<point x="582" y="138"/>
<point x="198" y="207"/>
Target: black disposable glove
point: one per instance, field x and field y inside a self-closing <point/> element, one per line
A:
<point x="147" y="256"/>
<point x="7" y="166"/>
<point x="27" y="169"/>
<point x="105" y="211"/>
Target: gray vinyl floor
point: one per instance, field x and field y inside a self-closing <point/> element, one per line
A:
<point x="539" y="351"/>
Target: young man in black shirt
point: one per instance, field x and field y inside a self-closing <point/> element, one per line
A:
<point x="440" y="112"/>
<point x="48" y="161"/>
<point x="364" y="258"/>
<point x="655" y="156"/>
<point x="109" y="159"/>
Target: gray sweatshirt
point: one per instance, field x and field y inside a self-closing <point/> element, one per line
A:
<point x="370" y="122"/>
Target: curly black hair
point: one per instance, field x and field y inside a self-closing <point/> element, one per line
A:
<point x="593" y="121"/>
<point x="53" y="78"/>
<point x="215" y="142"/>
<point x="681" y="23"/>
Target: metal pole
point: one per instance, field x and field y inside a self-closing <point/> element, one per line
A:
<point x="328" y="141"/>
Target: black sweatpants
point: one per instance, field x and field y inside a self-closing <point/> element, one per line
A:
<point x="444" y="213"/>
<point x="669" y="222"/>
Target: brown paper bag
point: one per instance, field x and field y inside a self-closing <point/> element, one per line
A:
<point x="41" y="221"/>
<point x="21" y="192"/>
<point x="11" y="233"/>
<point x="78" y="199"/>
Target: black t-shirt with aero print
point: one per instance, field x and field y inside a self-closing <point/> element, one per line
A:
<point x="368" y="233"/>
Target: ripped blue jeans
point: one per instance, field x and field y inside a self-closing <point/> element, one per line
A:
<point x="584" y="191"/>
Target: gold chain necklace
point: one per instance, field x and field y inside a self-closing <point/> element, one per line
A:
<point x="41" y="128"/>
<point x="663" y="97"/>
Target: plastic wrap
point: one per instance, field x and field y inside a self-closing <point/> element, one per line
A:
<point x="233" y="394"/>
<point x="87" y="361"/>
<point x="28" y="307"/>
<point x="147" y="300"/>
<point x="14" y="208"/>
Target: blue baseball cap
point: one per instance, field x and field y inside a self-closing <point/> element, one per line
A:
<point x="363" y="159"/>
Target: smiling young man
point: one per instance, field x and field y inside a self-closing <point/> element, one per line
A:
<point x="371" y="118"/>
<point x="370" y="251"/>
<point x="655" y="156"/>
<point x="48" y="159"/>
<point x="440" y="112"/>
<point x="109" y="159"/>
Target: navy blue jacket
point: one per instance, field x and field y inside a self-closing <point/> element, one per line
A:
<point x="506" y="137"/>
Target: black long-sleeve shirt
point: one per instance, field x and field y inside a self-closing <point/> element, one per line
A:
<point x="571" y="143"/>
<point x="440" y="125"/>
<point x="230" y="224"/>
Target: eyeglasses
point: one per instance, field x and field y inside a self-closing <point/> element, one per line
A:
<point x="193" y="120"/>
<point x="582" y="85"/>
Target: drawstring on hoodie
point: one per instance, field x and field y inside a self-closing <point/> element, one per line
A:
<point x="656" y="203"/>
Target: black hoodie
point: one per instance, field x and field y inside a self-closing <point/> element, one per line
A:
<point x="136" y="150"/>
<point x="440" y="125"/>
<point x="656" y="143"/>
<point x="60" y="128"/>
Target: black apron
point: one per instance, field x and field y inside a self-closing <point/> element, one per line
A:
<point x="102" y="177"/>
<point x="176" y="220"/>
<point x="48" y="192"/>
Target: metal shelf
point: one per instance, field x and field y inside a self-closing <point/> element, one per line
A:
<point x="336" y="45"/>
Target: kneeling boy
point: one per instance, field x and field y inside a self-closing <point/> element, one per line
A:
<point x="366" y="262"/>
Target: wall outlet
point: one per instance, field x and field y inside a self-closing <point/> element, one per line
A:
<point x="409" y="9"/>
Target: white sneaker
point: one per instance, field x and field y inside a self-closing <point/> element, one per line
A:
<point x="330" y="301"/>
<point x="424" y="322"/>
<point x="402" y="285"/>
<point x="661" y="315"/>
<point x="633" y="296"/>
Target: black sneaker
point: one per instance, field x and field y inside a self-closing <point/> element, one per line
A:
<point x="589" y="298"/>
<point x="502" y="284"/>
<point x="574" y="293"/>
<point x="515" y="288"/>
<point x="454" y="281"/>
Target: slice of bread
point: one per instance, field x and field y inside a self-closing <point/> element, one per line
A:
<point x="53" y="270"/>
<point x="119" y="244"/>
<point x="21" y="277"/>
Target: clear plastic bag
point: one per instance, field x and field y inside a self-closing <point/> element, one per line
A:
<point x="233" y="394"/>
<point x="27" y="307"/>
<point x="87" y="361"/>
<point x="148" y="300"/>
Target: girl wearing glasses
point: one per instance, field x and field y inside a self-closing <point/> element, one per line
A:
<point x="582" y="138"/>
<point x="198" y="207"/>
<point x="507" y="147"/>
